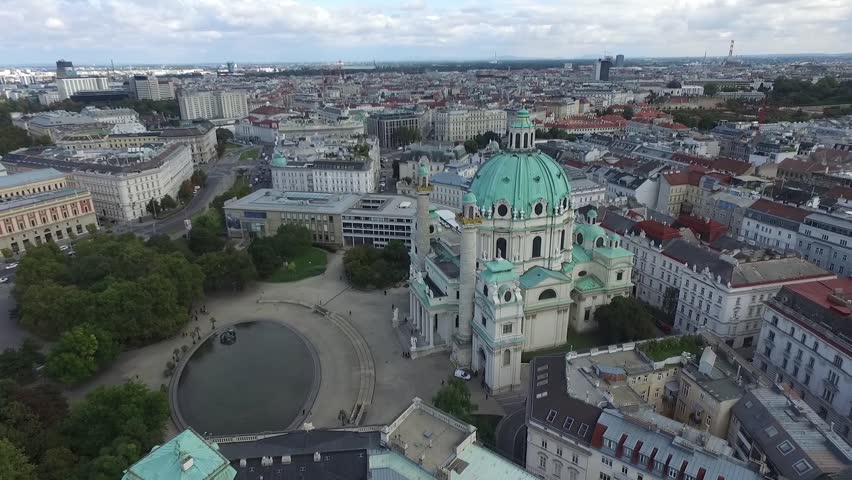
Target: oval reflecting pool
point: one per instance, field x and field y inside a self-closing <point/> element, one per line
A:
<point x="259" y="383"/>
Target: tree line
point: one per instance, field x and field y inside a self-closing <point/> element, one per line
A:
<point x="369" y="267"/>
<point x="825" y="91"/>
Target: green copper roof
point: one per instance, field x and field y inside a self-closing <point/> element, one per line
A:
<point x="589" y="283"/>
<point x="521" y="120"/>
<point x="499" y="270"/>
<point x="423" y="170"/>
<point x="580" y="255"/>
<point x="590" y="233"/>
<point x="185" y="457"/>
<point x="469" y="197"/>
<point x="521" y="179"/>
<point x="278" y="160"/>
<point x="614" y="252"/>
<point x="537" y="274"/>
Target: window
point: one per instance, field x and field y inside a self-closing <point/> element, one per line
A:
<point x="550" y="416"/>
<point x="501" y="248"/>
<point x="539" y="208"/>
<point x="536" y="247"/>
<point x="542" y="461"/>
<point x="604" y="476"/>
<point x="606" y="461"/>
<point x="547" y="294"/>
<point x="838" y="362"/>
<point x="559" y="451"/>
<point x="624" y="469"/>
<point x="672" y="473"/>
<point x="619" y="275"/>
<point x="507" y="328"/>
<point x="484" y="321"/>
<point x="544" y="443"/>
<point x="557" y="468"/>
<point x="574" y="458"/>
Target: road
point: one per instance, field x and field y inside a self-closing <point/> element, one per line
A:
<point x="220" y="177"/>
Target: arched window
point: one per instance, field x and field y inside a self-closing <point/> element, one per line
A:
<point x="501" y="248"/>
<point x="557" y="467"/>
<point x="547" y="294"/>
<point x="536" y="247"/>
<point x="485" y="291"/>
<point x="431" y="228"/>
<point x="507" y="296"/>
<point x="599" y="242"/>
<point x="457" y="321"/>
<point x="471" y="212"/>
<point x="526" y="140"/>
<point x="517" y="140"/>
<point x="539" y="208"/>
<point x="507" y="357"/>
<point x="579" y="239"/>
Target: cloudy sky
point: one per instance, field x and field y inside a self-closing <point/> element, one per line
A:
<point x="169" y="31"/>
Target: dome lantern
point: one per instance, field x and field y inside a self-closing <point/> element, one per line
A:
<point x="521" y="132"/>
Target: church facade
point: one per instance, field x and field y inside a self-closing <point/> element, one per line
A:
<point x="517" y="272"/>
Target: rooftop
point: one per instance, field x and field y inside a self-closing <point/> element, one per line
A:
<point x="106" y="161"/>
<point x="274" y="200"/>
<point x="19" y="179"/>
<point x="185" y="457"/>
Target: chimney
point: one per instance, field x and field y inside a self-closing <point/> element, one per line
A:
<point x="317" y="457"/>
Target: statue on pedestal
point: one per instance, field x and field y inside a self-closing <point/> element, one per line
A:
<point x="395" y="318"/>
<point x="413" y="341"/>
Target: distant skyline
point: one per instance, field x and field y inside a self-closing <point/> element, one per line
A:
<point x="215" y="31"/>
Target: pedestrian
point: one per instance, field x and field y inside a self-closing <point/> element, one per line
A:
<point x="303" y="411"/>
<point x="350" y="313"/>
<point x="386" y="293"/>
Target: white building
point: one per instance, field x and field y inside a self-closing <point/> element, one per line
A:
<point x="150" y="87"/>
<point x="774" y="225"/>
<point x="70" y="86"/>
<point x="122" y="181"/>
<point x="257" y="131"/>
<point x="48" y="98"/>
<point x="110" y="116"/>
<point x="725" y="294"/>
<point x="326" y="174"/>
<point x="458" y="124"/>
<point x="222" y="104"/>
<point x="805" y="342"/>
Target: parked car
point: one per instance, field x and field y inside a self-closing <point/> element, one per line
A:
<point x="664" y="327"/>
<point x="462" y="374"/>
<point x="62" y="248"/>
<point x="12" y="265"/>
<point x="4" y="279"/>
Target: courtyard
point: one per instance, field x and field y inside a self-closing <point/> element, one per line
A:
<point x="360" y="355"/>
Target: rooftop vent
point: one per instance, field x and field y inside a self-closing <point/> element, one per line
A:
<point x="187" y="463"/>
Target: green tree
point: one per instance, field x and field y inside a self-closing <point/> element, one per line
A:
<point x="292" y="240"/>
<point x="207" y="233"/>
<point x="470" y="146"/>
<point x="14" y="465"/>
<point x="223" y="136"/>
<point x="711" y="89"/>
<point x="230" y="269"/>
<point x="627" y="113"/>
<point x="454" y="398"/>
<point x="46" y="401"/>
<point x="198" y="178"/>
<point x="153" y="207"/>
<point x="673" y="84"/>
<point x="484" y="139"/>
<point x="80" y="353"/>
<point x="265" y="256"/>
<point x="624" y="319"/>
<point x="185" y="192"/>
<point x="167" y="202"/>
<point x="19" y="364"/>
<point x="58" y="464"/>
<point x="407" y="135"/>
<point x="129" y="411"/>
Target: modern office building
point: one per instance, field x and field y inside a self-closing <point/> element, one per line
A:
<point x="121" y="181"/>
<point x="385" y="126"/>
<point x="460" y="124"/>
<point x="69" y="86"/>
<point x="150" y="87"/>
<point x="38" y="206"/>
<point x="65" y="69"/>
<point x="210" y="105"/>
<point x="619" y="60"/>
<point x="602" y="66"/>
<point x="805" y="342"/>
<point x="334" y="219"/>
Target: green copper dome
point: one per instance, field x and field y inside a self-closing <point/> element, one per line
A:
<point x="521" y="120"/>
<point x="423" y="170"/>
<point x="521" y="179"/>
<point x="469" y="197"/>
<point x="278" y="160"/>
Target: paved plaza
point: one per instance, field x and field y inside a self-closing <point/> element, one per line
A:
<point x="366" y="318"/>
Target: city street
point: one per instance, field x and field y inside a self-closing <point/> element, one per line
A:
<point x="220" y="177"/>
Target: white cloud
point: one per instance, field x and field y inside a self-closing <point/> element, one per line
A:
<point x="166" y="30"/>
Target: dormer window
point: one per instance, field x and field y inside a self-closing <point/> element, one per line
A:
<point x="502" y="210"/>
<point x="539" y="208"/>
<point x="507" y="296"/>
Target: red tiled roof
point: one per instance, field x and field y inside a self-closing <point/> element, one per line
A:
<point x="736" y="167"/>
<point x="574" y="163"/>
<point x="268" y="110"/>
<point x="780" y="210"/>
<point x="656" y="230"/>
<point x="838" y="191"/>
<point x="706" y="229"/>
<point x="819" y="291"/>
<point x="677" y="178"/>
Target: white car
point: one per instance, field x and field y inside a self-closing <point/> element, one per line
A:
<point x="462" y="373"/>
<point x="11" y="266"/>
<point x="4" y="279"/>
<point x="62" y="248"/>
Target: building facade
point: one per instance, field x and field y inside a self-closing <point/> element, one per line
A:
<point x="825" y="240"/>
<point x="385" y="126"/>
<point x="150" y="87"/>
<point x="223" y="104"/>
<point x="71" y="85"/>
<point x="358" y="175"/>
<point x="39" y="207"/>
<point x="773" y="225"/>
<point x="804" y="342"/>
<point x="458" y="125"/>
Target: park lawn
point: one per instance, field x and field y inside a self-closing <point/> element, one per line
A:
<point x="576" y="341"/>
<point x="249" y="155"/>
<point x="309" y="264"/>
<point x="231" y="146"/>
